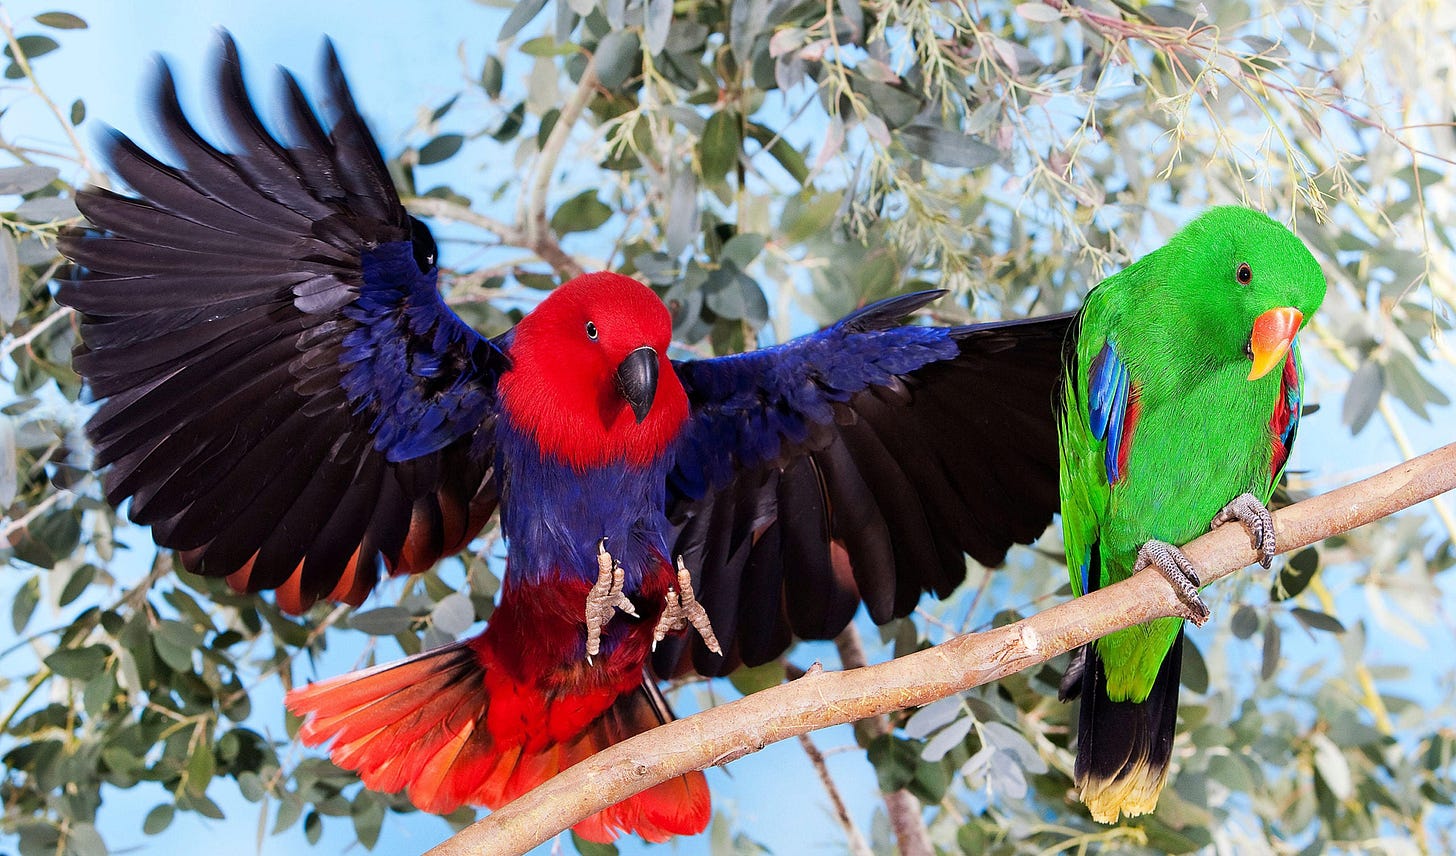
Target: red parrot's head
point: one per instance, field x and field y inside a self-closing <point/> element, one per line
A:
<point x="590" y="379"/>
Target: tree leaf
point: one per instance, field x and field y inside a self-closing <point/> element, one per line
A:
<point x="581" y="213"/>
<point x="159" y="818"/>
<point x="749" y="680"/>
<point x="746" y="19"/>
<point x="1296" y="575"/>
<point x="367" y="813"/>
<point x="938" y="714"/>
<point x="948" y="148"/>
<point x="23" y="606"/>
<point x="1039" y="13"/>
<point x="1332" y="766"/>
<point x="9" y="308"/>
<point x="78" y="111"/>
<point x="1318" y="620"/>
<point x="658" y="25"/>
<point x="33" y="46"/>
<point x="591" y="848"/>
<point x="175" y="643"/>
<point x="742" y="249"/>
<point x="947" y="739"/>
<point x="1245" y="621"/>
<point x="384" y="621"/>
<point x="1363" y="395"/>
<point x="441" y="148"/>
<point x="453" y="614"/>
<point x="492" y="76"/>
<point x="523" y="13"/>
<point x="1195" y="671"/>
<point x="78" y="664"/>
<point x="1269" y="664"/>
<point x="47" y="209"/>
<point x="60" y="21"/>
<point x="83" y="840"/>
<point x="617" y="55"/>
<point x="719" y="146"/>
<point x="25" y="178"/>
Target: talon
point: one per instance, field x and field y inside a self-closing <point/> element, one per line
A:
<point x="1248" y="510"/>
<point x="604" y="599"/>
<point x="681" y="607"/>
<point x="1180" y="573"/>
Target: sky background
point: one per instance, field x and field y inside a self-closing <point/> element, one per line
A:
<point x="402" y="59"/>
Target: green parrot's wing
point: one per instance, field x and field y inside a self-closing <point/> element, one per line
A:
<point x="1099" y="409"/>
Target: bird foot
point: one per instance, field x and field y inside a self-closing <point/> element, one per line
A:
<point x="1179" y="572"/>
<point x="604" y="599"/>
<point x="681" y="608"/>
<point x="1248" y="510"/>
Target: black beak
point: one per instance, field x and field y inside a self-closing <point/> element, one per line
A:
<point x="637" y="380"/>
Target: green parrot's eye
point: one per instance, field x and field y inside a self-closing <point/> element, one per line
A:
<point x="591" y="331"/>
<point x="1245" y="274"/>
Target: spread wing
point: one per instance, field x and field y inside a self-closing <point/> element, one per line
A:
<point x="287" y="397"/>
<point x="860" y="463"/>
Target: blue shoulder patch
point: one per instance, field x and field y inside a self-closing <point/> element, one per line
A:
<point x="1109" y="396"/>
<point x="427" y="376"/>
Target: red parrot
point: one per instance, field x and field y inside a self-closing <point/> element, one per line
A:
<point x="290" y="404"/>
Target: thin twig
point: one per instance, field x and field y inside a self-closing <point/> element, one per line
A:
<point x="857" y="845"/>
<point x="903" y="808"/>
<point x="822" y="699"/>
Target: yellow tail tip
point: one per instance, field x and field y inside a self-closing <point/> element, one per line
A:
<point x="1134" y="792"/>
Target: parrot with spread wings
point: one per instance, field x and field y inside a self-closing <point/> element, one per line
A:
<point x="289" y="403"/>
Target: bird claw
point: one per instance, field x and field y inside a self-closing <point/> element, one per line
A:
<point x="1248" y="510"/>
<point x="1180" y="573"/>
<point x="681" y="609"/>
<point x="604" y="599"/>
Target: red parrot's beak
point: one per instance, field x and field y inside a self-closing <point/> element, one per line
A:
<point x="637" y="380"/>
<point x="1273" y="331"/>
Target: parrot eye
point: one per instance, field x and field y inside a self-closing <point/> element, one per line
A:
<point x="1245" y="274"/>
<point x="591" y="331"/>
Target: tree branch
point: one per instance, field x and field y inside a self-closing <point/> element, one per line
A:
<point x="821" y="699"/>
<point x="904" y="810"/>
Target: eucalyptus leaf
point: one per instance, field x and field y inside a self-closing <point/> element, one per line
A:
<point x="521" y="14"/>
<point x="26" y="178"/>
<point x="948" y="148"/>
<point x="384" y="621"/>
<point x="441" y="148"/>
<point x="453" y="614"/>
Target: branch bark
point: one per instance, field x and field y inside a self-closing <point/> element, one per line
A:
<point x="821" y="699"/>
<point x="532" y="230"/>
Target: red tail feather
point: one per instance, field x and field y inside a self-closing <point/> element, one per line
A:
<point x="457" y="729"/>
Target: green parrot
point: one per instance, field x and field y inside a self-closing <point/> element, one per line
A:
<point x="1182" y="392"/>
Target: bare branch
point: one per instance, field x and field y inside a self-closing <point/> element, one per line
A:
<point x="533" y="220"/>
<point x="903" y="808"/>
<point x="821" y="699"/>
<point x="857" y="844"/>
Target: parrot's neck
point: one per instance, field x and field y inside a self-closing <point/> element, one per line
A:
<point x="554" y="514"/>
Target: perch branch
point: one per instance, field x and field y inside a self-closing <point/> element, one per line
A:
<point x="821" y="699"/>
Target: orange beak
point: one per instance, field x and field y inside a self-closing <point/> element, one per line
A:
<point x="1273" y="331"/>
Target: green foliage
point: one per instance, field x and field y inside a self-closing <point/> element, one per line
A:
<point x="759" y="162"/>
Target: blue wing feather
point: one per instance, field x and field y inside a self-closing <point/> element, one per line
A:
<point x="1108" y="395"/>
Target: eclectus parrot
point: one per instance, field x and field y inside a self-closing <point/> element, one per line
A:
<point x="290" y="404"/>
<point x="1182" y="393"/>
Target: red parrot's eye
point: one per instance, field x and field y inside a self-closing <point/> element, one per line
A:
<point x="591" y="331"/>
<point x="1245" y="274"/>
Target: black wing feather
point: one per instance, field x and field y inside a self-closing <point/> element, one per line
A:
<point x="223" y="323"/>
